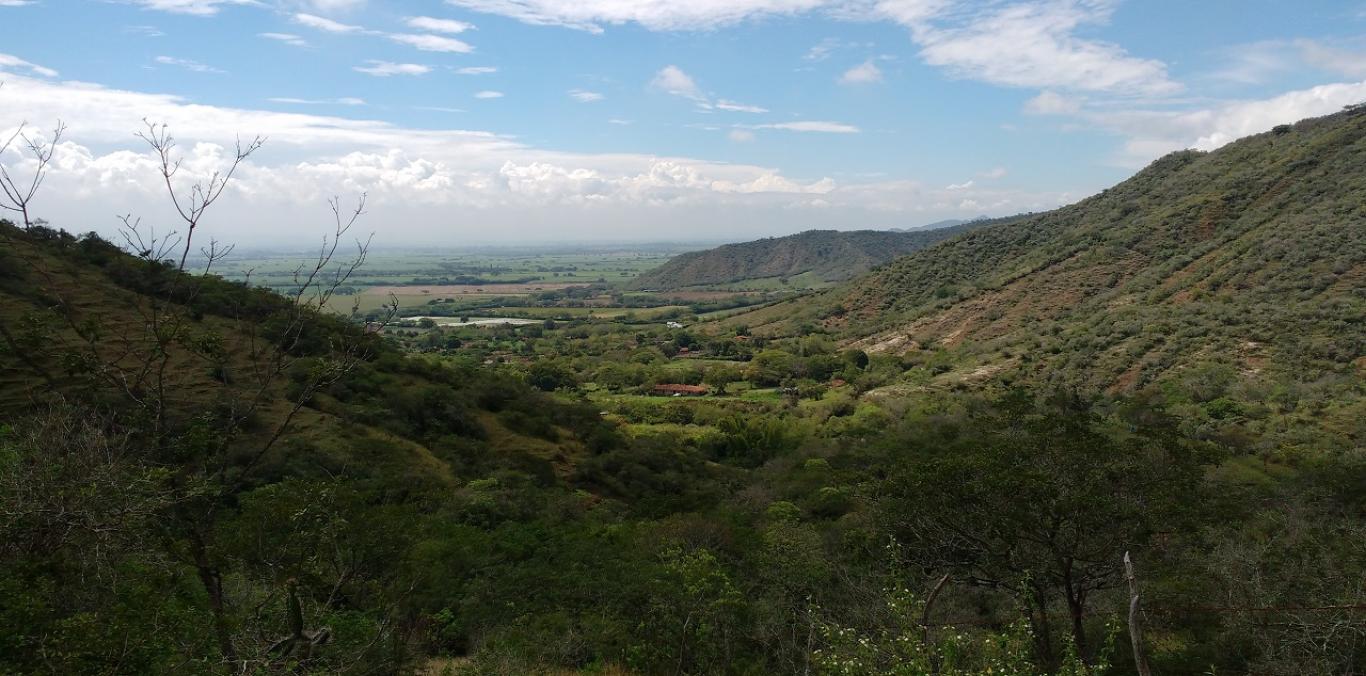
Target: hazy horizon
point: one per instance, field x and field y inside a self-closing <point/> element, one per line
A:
<point x="472" y="122"/>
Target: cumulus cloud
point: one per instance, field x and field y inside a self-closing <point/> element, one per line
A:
<point x="864" y="73"/>
<point x="388" y="68"/>
<point x="428" y="184"/>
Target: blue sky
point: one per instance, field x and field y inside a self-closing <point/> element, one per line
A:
<point x="500" y="120"/>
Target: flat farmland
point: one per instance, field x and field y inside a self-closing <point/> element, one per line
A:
<point x="453" y="290"/>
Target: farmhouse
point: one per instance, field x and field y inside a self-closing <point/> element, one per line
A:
<point x="672" y="390"/>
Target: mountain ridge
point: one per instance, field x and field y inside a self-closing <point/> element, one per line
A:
<point x="1253" y="255"/>
<point x="828" y="255"/>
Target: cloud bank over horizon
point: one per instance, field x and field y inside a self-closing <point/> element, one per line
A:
<point x="768" y="163"/>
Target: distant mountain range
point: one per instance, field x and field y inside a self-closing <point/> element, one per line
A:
<point x="822" y="255"/>
<point x="939" y="225"/>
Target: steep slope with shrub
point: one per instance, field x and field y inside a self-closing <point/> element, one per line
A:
<point x="1252" y="258"/>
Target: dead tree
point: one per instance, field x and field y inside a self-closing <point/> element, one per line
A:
<point x="144" y="361"/>
<point x="1135" y="622"/>
<point x="19" y="190"/>
<point x="191" y="205"/>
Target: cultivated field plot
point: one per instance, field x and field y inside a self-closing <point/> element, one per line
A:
<point x="568" y="265"/>
<point x="585" y="283"/>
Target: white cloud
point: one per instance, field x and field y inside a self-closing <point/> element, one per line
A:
<point x="8" y="61"/>
<point x="1340" y="61"/>
<point x="1052" y="103"/>
<point x="993" y="173"/>
<point x="1034" y="45"/>
<point x="331" y="6"/>
<point x="15" y="3"/>
<point x="739" y="107"/>
<point x="387" y="68"/>
<point x="432" y="43"/>
<point x="287" y="38"/>
<point x="433" y="185"/>
<point x="961" y="186"/>
<point x="864" y="73"/>
<point x="434" y="25"/>
<point x="1259" y="62"/>
<point x="814" y="126"/>
<point x="476" y="70"/>
<point x="821" y="51"/>
<point x="1151" y="133"/>
<point x="144" y="31"/>
<point x="591" y="15"/>
<point x="620" y="122"/>
<point x="187" y="64"/>
<point x="1021" y="44"/>
<point x="192" y="7"/>
<point x="325" y="24"/>
<point x="672" y="80"/>
<point x="344" y="101"/>
<point x="741" y="136"/>
<point x="585" y="96"/>
<point x="488" y="94"/>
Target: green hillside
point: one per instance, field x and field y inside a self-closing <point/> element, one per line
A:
<point x="825" y="255"/>
<point x="1252" y="258"/>
<point x="940" y="467"/>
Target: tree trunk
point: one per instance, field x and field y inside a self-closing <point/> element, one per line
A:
<point x="1076" y="608"/>
<point x="1135" y="623"/>
<point x="1076" y="603"/>
<point x="212" y="581"/>
<point x="1043" y="631"/>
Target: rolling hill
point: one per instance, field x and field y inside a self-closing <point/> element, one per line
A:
<point x="1249" y="260"/>
<point x="825" y="255"/>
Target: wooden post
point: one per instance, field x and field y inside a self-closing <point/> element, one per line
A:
<point x="1135" y="623"/>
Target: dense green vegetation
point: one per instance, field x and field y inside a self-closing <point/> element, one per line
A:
<point x="812" y="258"/>
<point x="199" y="476"/>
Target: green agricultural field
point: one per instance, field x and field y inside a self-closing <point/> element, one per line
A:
<point x="398" y="267"/>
